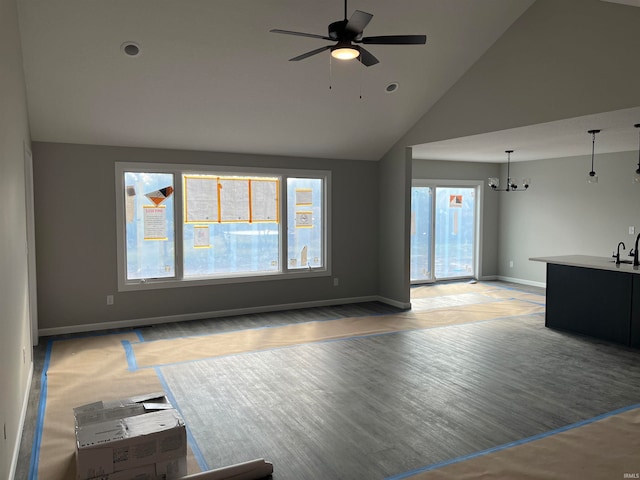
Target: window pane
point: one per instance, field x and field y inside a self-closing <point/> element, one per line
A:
<point x="230" y="248"/>
<point x="455" y="232"/>
<point x="421" y="207"/>
<point x="231" y="225"/>
<point x="305" y="236"/>
<point x="149" y="225"/>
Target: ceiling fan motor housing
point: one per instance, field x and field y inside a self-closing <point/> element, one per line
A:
<point x="336" y="29"/>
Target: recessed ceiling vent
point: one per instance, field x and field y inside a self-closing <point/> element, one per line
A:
<point x="130" y="49"/>
<point x="392" y="87"/>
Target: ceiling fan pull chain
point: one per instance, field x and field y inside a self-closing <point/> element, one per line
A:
<point x="360" y="79"/>
<point x="330" y="73"/>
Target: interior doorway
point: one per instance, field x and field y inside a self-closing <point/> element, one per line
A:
<point x="444" y="231"/>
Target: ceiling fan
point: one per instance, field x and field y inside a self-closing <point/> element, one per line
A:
<point x="348" y="32"/>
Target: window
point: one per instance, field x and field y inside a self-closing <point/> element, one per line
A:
<point x="180" y="224"/>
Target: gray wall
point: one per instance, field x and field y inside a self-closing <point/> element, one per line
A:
<point x="439" y="170"/>
<point x="76" y="244"/>
<point x="561" y="59"/>
<point x="562" y="214"/>
<point x="14" y="314"/>
<point x="394" y="222"/>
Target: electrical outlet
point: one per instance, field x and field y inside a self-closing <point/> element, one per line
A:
<point x="109" y="299"/>
<point x="632" y="230"/>
<point x="510" y="263"/>
<point x="336" y="281"/>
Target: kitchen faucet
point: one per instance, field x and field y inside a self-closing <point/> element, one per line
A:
<point x="617" y="255"/>
<point x="635" y="253"/>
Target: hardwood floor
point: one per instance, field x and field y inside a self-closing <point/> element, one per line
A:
<point x="376" y="406"/>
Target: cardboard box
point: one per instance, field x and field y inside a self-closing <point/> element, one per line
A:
<point x="167" y="470"/>
<point x="143" y="435"/>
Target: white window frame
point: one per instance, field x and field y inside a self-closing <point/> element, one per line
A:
<point x="479" y="223"/>
<point x="178" y="170"/>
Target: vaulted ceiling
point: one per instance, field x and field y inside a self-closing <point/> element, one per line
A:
<point x="210" y="75"/>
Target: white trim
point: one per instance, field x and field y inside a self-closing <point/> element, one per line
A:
<point x="488" y="278"/>
<point x="31" y="243"/>
<point x="395" y="303"/>
<point x="478" y="226"/>
<point x="522" y="281"/>
<point x="141" y="322"/>
<point x="178" y="280"/>
<point x="23" y="417"/>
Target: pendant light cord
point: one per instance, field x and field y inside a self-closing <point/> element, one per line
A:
<point x="593" y="147"/>
<point x="637" y="125"/>
<point x="508" y="152"/>
<point x="592" y="173"/>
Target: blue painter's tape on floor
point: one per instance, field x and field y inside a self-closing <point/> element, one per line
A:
<point x="130" y="355"/>
<point x="197" y="453"/>
<point x="512" y="444"/>
<point x="37" y="435"/>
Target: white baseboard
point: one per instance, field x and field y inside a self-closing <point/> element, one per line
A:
<point x="141" y="322"/>
<point x="23" y="417"/>
<point x="488" y="278"/>
<point x="395" y="303"/>
<point x="522" y="281"/>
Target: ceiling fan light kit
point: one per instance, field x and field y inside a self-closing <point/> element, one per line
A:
<point x="349" y="31"/>
<point x="344" y="52"/>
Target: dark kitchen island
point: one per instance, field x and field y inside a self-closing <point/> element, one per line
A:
<point x="593" y="296"/>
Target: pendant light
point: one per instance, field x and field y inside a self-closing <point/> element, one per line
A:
<point x="592" y="178"/>
<point x="636" y="177"/>
<point x="511" y="185"/>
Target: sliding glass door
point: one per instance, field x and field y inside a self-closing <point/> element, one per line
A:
<point x="443" y="232"/>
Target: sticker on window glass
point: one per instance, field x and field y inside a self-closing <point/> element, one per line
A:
<point x="455" y="201"/>
<point x="201" y="236"/>
<point x="264" y="200"/>
<point x="304" y="220"/>
<point x="303" y="256"/>
<point x="159" y="196"/>
<point x="234" y="199"/>
<point x="155" y="222"/>
<point x="304" y="196"/>
<point x="130" y="204"/>
<point x="201" y="199"/>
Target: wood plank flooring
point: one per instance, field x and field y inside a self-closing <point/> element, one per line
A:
<point x="382" y="405"/>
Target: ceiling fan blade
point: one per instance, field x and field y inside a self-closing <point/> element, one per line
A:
<point x="310" y="54"/>
<point x="367" y="58"/>
<point x="357" y="22"/>
<point x="300" y="34"/>
<point x="395" y="40"/>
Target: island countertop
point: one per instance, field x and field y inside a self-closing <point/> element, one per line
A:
<point x="587" y="261"/>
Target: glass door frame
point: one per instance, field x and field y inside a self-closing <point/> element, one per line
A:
<point x="478" y="223"/>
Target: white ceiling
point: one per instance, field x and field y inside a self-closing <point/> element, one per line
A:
<point x="212" y="77"/>
<point x="564" y="138"/>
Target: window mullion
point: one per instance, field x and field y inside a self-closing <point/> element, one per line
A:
<point x="178" y="221"/>
<point x="284" y="225"/>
